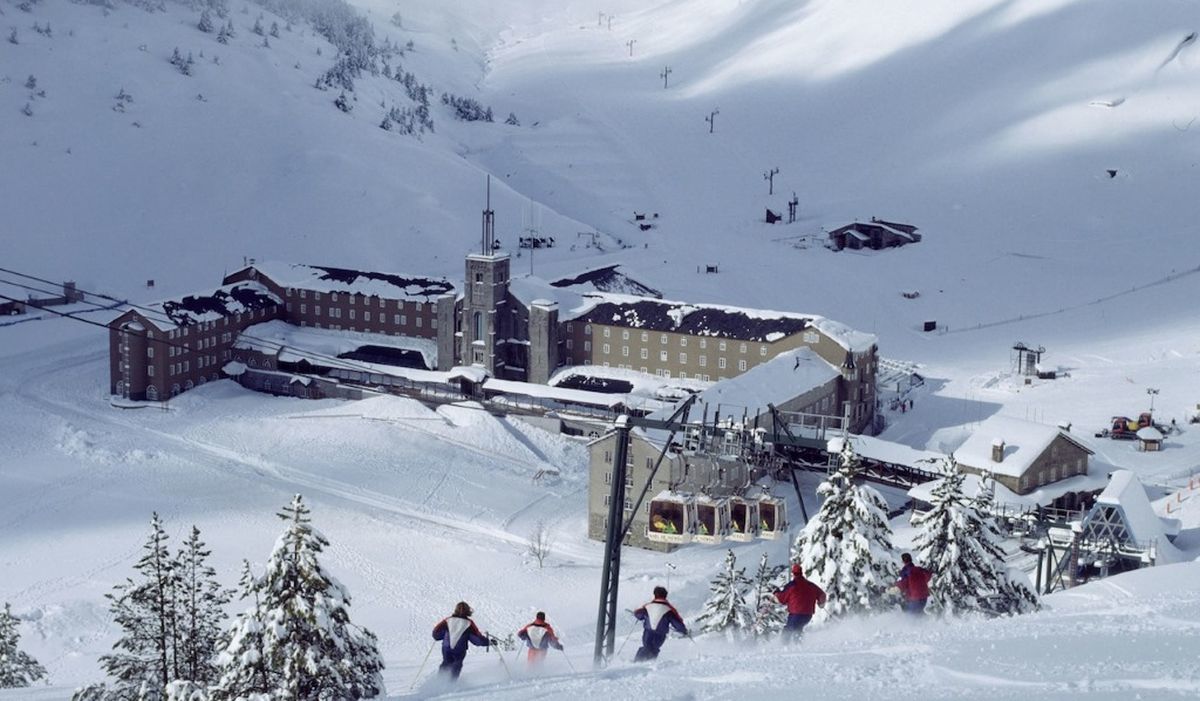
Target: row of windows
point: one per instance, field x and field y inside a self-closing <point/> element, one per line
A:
<point x="204" y="361"/>
<point x="186" y="330"/>
<point x="606" y="332"/>
<point x="355" y="298"/>
<point x="663" y="356"/>
<point x="1045" y="477"/>
<point x="397" y="319"/>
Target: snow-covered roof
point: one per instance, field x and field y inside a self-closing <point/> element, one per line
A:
<point x="1126" y="491"/>
<point x="888" y="452"/>
<point x="717" y="320"/>
<point x="294" y="343"/>
<point x="609" y="278"/>
<point x="570" y="396"/>
<point x="1042" y="496"/>
<point x="1023" y="441"/>
<point x="1149" y="433"/>
<point x="329" y="279"/>
<point x="529" y="289"/>
<point x="784" y="377"/>
<point x="224" y="301"/>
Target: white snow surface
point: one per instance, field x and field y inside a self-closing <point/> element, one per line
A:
<point x="291" y="343"/>
<point x="784" y="377"/>
<point x="972" y="119"/>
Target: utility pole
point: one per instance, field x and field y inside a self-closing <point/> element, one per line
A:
<point x="769" y="176"/>
<point x="600" y="20"/>
<point x="793" y="204"/>
<point x="712" y="120"/>
<point x="1151" y="391"/>
<point x="630" y="44"/>
<point x="610" y="23"/>
<point x="665" y="72"/>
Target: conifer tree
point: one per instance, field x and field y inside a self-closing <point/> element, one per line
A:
<point x="145" y="658"/>
<point x="201" y="611"/>
<point x="310" y="648"/>
<point x="243" y="665"/>
<point x="205" y="24"/>
<point x="17" y="668"/>
<point x="958" y="541"/>
<point x="769" y="615"/>
<point x="846" y="548"/>
<point x="726" y="608"/>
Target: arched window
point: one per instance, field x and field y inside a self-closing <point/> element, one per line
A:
<point x="122" y="388"/>
<point x="477" y="321"/>
<point x="174" y="389"/>
<point x="152" y="393"/>
<point x="188" y="385"/>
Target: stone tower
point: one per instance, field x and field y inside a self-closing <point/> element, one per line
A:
<point x="485" y="320"/>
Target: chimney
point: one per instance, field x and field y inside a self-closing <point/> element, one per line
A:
<point x="998" y="450"/>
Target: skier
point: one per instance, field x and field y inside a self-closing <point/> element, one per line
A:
<point x="455" y="632"/>
<point x="658" y="618"/>
<point x="801" y="597"/>
<point x="539" y="636"/>
<point x="913" y="585"/>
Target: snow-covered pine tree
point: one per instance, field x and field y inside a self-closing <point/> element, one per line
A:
<point x="201" y="611"/>
<point x="275" y="29"/>
<point x="726" y="608"/>
<point x="242" y="665"/>
<point x="846" y="548"/>
<point x="308" y="639"/>
<point x="146" y="658"/>
<point x="205" y="24"/>
<point x="258" y="28"/>
<point x="959" y="543"/>
<point x="17" y="668"/>
<point x="769" y="615"/>
<point x="1013" y="593"/>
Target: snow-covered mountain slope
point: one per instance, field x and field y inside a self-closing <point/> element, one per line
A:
<point x="991" y="125"/>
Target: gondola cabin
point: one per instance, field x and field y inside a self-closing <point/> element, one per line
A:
<point x="743" y="519"/>
<point x="672" y="518"/>
<point x="772" y="518"/>
<point x="712" y="520"/>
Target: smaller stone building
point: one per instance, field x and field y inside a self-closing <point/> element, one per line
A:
<point x="1022" y="455"/>
<point x="642" y="453"/>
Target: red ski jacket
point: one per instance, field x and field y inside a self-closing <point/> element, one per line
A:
<point x="801" y="596"/>
<point x="914" y="583"/>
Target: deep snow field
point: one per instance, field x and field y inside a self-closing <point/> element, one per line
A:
<point x="983" y="122"/>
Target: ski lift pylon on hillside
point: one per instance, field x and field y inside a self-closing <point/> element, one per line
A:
<point x="672" y="518"/>
<point x="743" y="519"/>
<point x="772" y="518"/>
<point x="712" y="520"/>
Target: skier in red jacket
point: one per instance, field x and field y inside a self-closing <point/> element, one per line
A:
<point x="913" y="585"/>
<point x="801" y="598"/>
<point x="539" y="636"/>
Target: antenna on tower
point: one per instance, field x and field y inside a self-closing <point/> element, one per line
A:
<point x="489" y="223"/>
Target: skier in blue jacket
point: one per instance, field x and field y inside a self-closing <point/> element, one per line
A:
<point x="455" y="633"/>
<point x="658" y="618"/>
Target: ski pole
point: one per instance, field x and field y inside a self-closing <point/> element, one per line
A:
<point x="422" y="667"/>
<point x="569" y="663"/>
<point x="627" y="637"/>
<point x="503" y="663"/>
